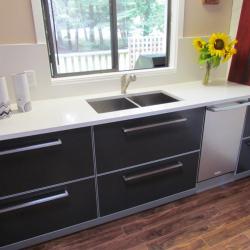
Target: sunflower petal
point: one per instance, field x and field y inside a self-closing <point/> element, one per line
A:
<point x="217" y="44"/>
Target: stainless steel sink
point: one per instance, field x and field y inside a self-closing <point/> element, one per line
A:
<point x="152" y="99"/>
<point x="117" y="103"/>
<point x="108" y="105"/>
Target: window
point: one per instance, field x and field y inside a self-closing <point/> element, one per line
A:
<point x="86" y="36"/>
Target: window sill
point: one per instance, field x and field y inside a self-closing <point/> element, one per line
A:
<point x="84" y="79"/>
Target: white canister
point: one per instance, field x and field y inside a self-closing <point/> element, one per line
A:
<point x="5" y="110"/>
<point x="22" y="91"/>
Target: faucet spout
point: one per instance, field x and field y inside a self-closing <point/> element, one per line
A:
<point x="126" y="79"/>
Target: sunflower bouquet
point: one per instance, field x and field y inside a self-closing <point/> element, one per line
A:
<point x="219" y="48"/>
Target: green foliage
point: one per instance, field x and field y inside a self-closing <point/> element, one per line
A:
<point x="206" y="57"/>
<point x="89" y="14"/>
<point x="152" y="15"/>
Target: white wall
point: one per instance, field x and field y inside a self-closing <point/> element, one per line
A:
<point x="16" y="22"/>
<point x="203" y="19"/>
<point x="237" y="4"/>
<point x="17" y="57"/>
<point x="199" y="19"/>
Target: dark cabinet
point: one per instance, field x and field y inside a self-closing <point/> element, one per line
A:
<point x="48" y="182"/>
<point x="43" y="160"/>
<point x="247" y="124"/>
<point x="129" y="188"/>
<point x="38" y="213"/>
<point x="132" y="142"/>
<point x="244" y="159"/>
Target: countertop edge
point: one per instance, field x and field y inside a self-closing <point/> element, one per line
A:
<point x="115" y="118"/>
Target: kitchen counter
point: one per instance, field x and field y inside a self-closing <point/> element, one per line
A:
<point x="74" y="112"/>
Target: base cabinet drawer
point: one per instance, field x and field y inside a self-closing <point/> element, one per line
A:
<point x="43" y="160"/>
<point x="129" y="188"/>
<point x="124" y="144"/>
<point x="36" y="214"/>
<point x="244" y="160"/>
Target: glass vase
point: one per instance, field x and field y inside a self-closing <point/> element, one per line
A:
<point x="207" y="73"/>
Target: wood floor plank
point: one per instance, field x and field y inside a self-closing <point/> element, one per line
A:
<point x="247" y="233"/>
<point x="234" y="201"/>
<point x="223" y="204"/>
<point x="240" y="242"/>
<point x="178" y="224"/>
<point x="215" y="219"/>
<point x="182" y="235"/>
<point x="171" y="217"/>
<point x="223" y="233"/>
<point x="149" y="220"/>
<point x="217" y="223"/>
<point x="140" y="247"/>
<point x="83" y="240"/>
<point x="197" y="244"/>
<point x="223" y="218"/>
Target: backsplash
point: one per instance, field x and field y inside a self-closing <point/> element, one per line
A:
<point x="236" y="11"/>
<point x="18" y="58"/>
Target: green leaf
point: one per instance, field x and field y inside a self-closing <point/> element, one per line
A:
<point x="202" y="61"/>
<point x="204" y="57"/>
<point x="216" y="61"/>
<point x="204" y="50"/>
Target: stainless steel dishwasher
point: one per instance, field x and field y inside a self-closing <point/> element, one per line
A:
<point x="221" y="139"/>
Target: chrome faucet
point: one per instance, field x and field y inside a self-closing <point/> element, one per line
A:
<point x="125" y="81"/>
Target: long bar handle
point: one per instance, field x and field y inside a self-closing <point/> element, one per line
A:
<point x="152" y="173"/>
<point x="151" y="126"/>
<point x="32" y="147"/>
<point x="237" y="105"/>
<point x="35" y="202"/>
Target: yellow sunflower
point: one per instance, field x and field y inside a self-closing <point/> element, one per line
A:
<point x="233" y="43"/>
<point x="199" y="43"/>
<point x="230" y="50"/>
<point x="217" y="44"/>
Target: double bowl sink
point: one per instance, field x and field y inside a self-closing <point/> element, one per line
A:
<point x="109" y="104"/>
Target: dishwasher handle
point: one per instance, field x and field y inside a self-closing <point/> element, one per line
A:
<point x="233" y="106"/>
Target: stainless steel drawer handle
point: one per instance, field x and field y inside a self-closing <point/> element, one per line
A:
<point x="153" y="173"/>
<point x="151" y="126"/>
<point x="35" y="202"/>
<point x="237" y="105"/>
<point x="32" y="147"/>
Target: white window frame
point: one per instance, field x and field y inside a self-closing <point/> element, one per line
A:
<point x="177" y="23"/>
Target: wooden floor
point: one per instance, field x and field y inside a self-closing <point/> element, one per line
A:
<point x="216" y="219"/>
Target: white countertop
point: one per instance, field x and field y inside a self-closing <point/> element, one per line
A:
<point x="74" y="112"/>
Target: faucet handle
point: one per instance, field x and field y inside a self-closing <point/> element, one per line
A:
<point x="132" y="77"/>
<point x="125" y="81"/>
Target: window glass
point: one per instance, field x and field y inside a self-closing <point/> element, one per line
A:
<point x="86" y="36"/>
<point x="83" y="37"/>
<point x="142" y="33"/>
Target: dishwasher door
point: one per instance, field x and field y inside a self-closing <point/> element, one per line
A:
<point x="221" y="139"/>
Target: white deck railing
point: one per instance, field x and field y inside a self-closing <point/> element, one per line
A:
<point x="101" y="60"/>
<point x="144" y="45"/>
<point x="89" y="61"/>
